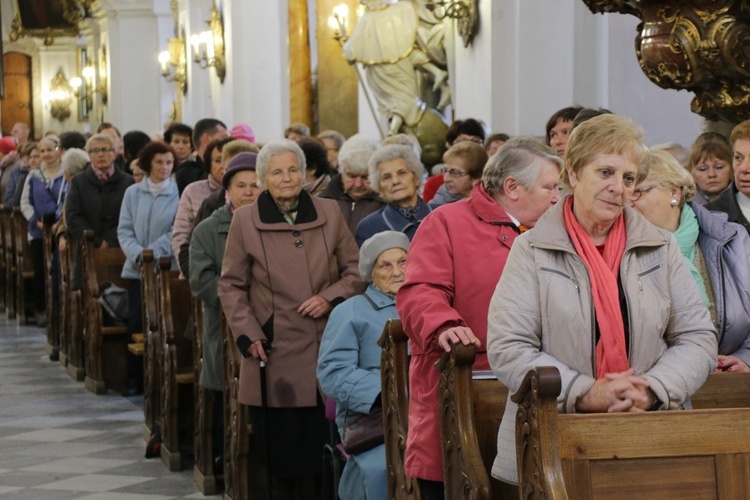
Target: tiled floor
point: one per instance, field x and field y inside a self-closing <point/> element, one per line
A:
<point x="58" y="441"/>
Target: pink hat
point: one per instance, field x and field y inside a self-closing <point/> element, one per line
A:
<point x="7" y="144"/>
<point x="243" y="131"/>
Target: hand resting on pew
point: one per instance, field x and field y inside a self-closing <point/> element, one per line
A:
<point x="456" y="335"/>
<point x="731" y="364"/>
<point x="617" y="392"/>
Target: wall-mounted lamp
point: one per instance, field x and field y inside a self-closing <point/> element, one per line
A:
<point x="338" y="21"/>
<point x="465" y="13"/>
<point x="83" y="88"/>
<point x="208" y="46"/>
<point x="174" y="63"/>
<point x="59" y="97"/>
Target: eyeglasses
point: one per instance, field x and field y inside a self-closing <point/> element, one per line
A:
<point x="638" y="192"/>
<point x="452" y="172"/>
<point x="94" y="151"/>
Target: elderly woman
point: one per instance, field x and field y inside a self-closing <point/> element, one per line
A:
<point x="717" y="252"/>
<point x="351" y="188"/>
<point x="349" y="360"/>
<point x="42" y="197"/>
<point x="74" y="161"/>
<point x="600" y="293"/>
<point x="464" y="162"/>
<point x="396" y="172"/>
<point x="95" y="196"/>
<point x="207" y="245"/>
<point x="710" y="162"/>
<point x="456" y="259"/>
<point x="194" y="194"/>
<point x="146" y="219"/>
<point x="289" y="259"/>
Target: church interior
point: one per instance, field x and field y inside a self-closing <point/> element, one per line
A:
<point x="72" y="423"/>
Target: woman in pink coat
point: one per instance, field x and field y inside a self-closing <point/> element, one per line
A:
<point x="289" y="259"/>
<point x="455" y="262"/>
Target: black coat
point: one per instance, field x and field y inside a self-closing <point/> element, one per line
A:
<point x="96" y="206"/>
<point x="190" y="171"/>
<point x="727" y="203"/>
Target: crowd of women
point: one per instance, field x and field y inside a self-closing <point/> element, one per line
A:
<point x="624" y="268"/>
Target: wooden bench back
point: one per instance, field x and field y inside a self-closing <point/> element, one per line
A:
<point x="53" y="320"/>
<point x="9" y="243"/>
<point x="72" y="317"/>
<point x="666" y="454"/>
<point x="174" y="309"/>
<point x="24" y="269"/>
<point x="723" y="390"/>
<point x="471" y="407"/>
<point x="101" y="265"/>
<point x="394" y="374"/>
<point x="152" y="358"/>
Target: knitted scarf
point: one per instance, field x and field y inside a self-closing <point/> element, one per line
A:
<point x="611" y="355"/>
<point x="687" y="236"/>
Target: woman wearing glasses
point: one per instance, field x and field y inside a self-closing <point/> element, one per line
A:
<point x="464" y="162"/>
<point x="95" y="196"/>
<point x="716" y="251"/>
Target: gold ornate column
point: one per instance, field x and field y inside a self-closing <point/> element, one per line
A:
<point x="300" y="78"/>
<point x="337" y="80"/>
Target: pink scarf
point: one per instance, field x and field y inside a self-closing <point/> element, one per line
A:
<point x="611" y="355"/>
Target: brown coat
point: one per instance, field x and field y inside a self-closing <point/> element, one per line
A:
<point x="269" y="269"/>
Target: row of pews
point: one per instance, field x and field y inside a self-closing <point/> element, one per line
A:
<point x="698" y="453"/>
<point x="93" y="349"/>
<point x="16" y="266"/>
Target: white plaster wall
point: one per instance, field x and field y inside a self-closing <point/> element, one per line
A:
<point x="664" y="113"/>
<point x="530" y="59"/>
<point x="131" y="33"/>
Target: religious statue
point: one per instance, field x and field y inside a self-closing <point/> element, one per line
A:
<point x="386" y="41"/>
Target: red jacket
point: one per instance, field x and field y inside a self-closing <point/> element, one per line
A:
<point x="454" y="264"/>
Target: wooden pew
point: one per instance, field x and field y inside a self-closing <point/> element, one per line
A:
<point x="106" y="346"/>
<point x="24" y="267"/>
<point x="63" y="289"/>
<point x="471" y="407"/>
<point x="237" y="429"/>
<point x="153" y="353"/>
<point x="203" y="470"/>
<point x="73" y="321"/>
<point x="178" y="375"/>
<point x="53" y="307"/>
<point x="394" y="373"/>
<point x="3" y="261"/>
<point x="9" y="258"/>
<point x="723" y="390"/>
<point x="665" y="454"/>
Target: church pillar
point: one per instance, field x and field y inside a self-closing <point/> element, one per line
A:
<point x="133" y="32"/>
<point x="300" y="76"/>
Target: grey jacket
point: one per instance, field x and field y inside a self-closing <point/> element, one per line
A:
<point x="726" y="251"/>
<point x="542" y="314"/>
<point x="206" y="253"/>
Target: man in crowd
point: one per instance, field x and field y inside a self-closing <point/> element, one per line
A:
<point x="205" y="131"/>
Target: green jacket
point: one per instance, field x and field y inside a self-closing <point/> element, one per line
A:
<point x="206" y="253"/>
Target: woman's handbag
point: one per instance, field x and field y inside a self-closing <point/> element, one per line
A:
<point x="364" y="434"/>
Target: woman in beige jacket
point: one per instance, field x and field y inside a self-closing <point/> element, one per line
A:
<point x="289" y="259"/>
<point x="600" y="293"/>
